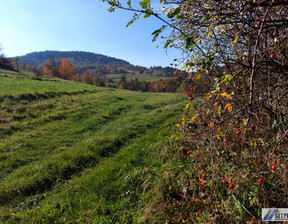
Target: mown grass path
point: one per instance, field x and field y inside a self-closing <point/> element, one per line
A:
<point x="92" y="142"/>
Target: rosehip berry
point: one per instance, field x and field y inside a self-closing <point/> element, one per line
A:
<point x="260" y="181"/>
<point x="273" y="56"/>
<point x="253" y="126"/>
<point x="273" y="167"/>
<point x="245" y="143"/>
<point x="191" y="89"/>
<point x="189" y="152"/>
<point x="224" y="181"/>
<point x="238" y="132"/>
<point x="226" y="140"/>
<point x="189" y="94"/>
<point x="231" y="186"/>
<point x="191" y="98"/>
<point x="216" y="45"/>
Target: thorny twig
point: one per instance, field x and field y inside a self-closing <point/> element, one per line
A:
<point x="283" y="136"/>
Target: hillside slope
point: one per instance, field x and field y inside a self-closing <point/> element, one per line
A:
<point x="75" y="57"/>
<point x="98" y="63"/>
<point x="79" y="153"/>
<point x="81" y="60"/>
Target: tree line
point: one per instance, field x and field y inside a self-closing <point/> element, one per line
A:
<point x="67" y="71"/>
<point x="97" y="63"/>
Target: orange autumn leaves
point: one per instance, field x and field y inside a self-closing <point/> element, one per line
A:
<point x="65" y="71"/>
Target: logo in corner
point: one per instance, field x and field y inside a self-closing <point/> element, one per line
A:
<point x="274" y="214"/>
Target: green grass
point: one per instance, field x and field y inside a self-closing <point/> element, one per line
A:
<point x="12" y="83"/>
<point x="81" y="155"/>
<point x="142" y="77"/>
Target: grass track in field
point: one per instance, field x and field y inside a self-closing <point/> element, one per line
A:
<point x="50" y="143"/>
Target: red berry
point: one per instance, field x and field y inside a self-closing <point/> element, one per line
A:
<point x="273" y="55"/>
<point x="227" y="107"/>
<point x="273" y="167"/>
<point x="238" y="132"/>
<point x="260" y="181"/>
<point x="175" y="59"/>
<point x="189" y="152"/>
<point x="216" y="45"/>
<point x="191" y="98"/>
<point x="226" y="140"/>
<point x="231" y="186"/>
<point x="217" y="117"/>
<point x="191" y="89"/>
<point x="224" y="181"/>
<point x="189" y="94"/>
<point x="245" y="143"/>
<point x="253" y="126"/>
<point x="191" y="49"/>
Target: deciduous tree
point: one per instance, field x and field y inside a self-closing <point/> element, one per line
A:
<point x="67" y="70"/>
<point x="50" y="68"/>
<point x="87" y="77"/>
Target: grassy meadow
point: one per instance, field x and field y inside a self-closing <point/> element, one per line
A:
<point x="141" y="77"/>
<point x="76" y="153"/>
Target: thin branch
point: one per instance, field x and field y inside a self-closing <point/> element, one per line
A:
<point x="278" y="3"/>
<point x="163" y="20"/>
<point x="283" y="136"/>
<point x="255" y="55"/>
<point x="222" y="121"/>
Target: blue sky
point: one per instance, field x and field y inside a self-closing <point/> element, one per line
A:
<point x="84" y="25"/>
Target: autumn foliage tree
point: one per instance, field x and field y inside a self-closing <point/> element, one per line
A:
<point x="50" y="68"/>
<point x="87" y="77"/>
<point x="67" y="70"/>
<point x="239" y="130"/>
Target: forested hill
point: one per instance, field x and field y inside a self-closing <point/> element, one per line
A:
<point x="75" y="57"/>
<point x="97" y="63"/>
<point x="80" y="59"/>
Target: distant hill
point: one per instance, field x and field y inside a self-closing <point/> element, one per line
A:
<point x="97" y="63"/>
<point x="75" y="57"/>
<point x="80" y="59"/>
